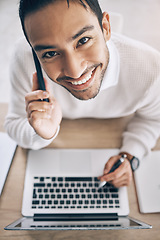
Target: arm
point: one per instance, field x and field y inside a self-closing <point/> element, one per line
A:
<point x="144" y="128"/>
<point x="139" y="138"/>
<point x="16" y="122"/>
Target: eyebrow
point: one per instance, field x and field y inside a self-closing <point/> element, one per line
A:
<point x="83" y="30"/>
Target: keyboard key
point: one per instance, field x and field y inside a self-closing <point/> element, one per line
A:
<point x="114" y="195"/>
<point x="78" y="179"/>
<point x="39" y="185"/>
<point x="113" y="190"/>
<point x="60" y="179"/>
<point x="35" y="202"/>
<point x="96" y="179"/>
<point x="98" y="201"/>
<point x="106" y="195"/>
<point x="34" y="196"/>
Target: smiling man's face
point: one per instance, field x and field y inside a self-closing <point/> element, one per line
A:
<point x="71" y="46"/>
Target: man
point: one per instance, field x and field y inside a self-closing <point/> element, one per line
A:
<point x="90" y="75"/>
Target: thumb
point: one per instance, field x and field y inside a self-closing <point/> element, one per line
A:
<point x="108" y="166"/>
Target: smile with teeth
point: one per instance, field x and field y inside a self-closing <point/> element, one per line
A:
<point x="84" y="80"/>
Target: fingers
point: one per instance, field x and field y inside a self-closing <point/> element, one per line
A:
<point x="122" y="176"/>
<point x="41" y="107"/>
<point x="38" y="109"/>
<point x="124" y="180"/>
<point x="36" y="94"/>
<point x="110" y="163"/>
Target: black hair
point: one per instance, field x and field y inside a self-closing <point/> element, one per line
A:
<point x="29" y="6"/>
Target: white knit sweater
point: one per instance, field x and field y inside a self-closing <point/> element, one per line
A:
<point x="131" y="85"/>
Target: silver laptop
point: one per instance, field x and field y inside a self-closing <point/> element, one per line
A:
<point x="61" y="192"/>
<point x="147" y="178"/>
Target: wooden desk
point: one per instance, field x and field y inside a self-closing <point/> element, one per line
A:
<point x="84" y="133"/>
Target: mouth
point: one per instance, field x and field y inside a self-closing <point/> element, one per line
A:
<point x="84" y="81"/>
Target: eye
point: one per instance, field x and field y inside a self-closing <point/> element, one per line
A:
<point x="50" y="54"/>
<point x="83" y="41"/>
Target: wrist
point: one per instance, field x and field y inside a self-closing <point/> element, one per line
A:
<point x="134" y="161"/>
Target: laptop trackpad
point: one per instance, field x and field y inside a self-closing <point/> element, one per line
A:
<point x="75" y="162"/>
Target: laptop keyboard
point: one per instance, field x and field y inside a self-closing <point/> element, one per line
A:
<point x="73" y="192"/>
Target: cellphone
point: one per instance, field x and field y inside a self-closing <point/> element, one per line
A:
<point x="39" y="74"/>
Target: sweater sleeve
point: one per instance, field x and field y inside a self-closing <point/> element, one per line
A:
<point x="16" y="122"/>
<point x="144" y="129"/>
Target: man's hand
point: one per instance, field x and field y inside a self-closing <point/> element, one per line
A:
<point x="44" y="117"/>
<point x="122" y="176"/>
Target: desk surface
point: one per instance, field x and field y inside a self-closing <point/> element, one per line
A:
<point x="98" y="134"/>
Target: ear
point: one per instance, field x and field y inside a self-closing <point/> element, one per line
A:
<point x="106" y="26"/>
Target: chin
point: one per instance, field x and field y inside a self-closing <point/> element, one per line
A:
<point x="86" y="94"/>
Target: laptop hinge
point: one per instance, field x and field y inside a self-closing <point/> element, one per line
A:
<point x="74" y="216"/>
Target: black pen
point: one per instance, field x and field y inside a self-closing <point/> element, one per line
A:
<point x="115" y="166"/>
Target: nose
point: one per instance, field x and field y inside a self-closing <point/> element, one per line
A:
<point x="74" y="65"/>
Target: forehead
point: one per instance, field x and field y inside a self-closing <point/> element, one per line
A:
<point x="59" y="21"/>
